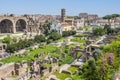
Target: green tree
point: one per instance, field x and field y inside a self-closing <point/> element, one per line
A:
<point x="54" y="36"/>
<point x="108" y="29"/>
<point x="90" y="71"/>
<point x="65" y="33"/>
<point x="108" y="17"/>
<point x="115" y="15"/>
<point x="39" y="38"/>
<point x="45" y="28"/>
<point x="99" y="31"/>
<point x="96" y="54"/>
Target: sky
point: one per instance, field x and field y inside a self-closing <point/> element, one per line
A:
<point x="53" y="7"/>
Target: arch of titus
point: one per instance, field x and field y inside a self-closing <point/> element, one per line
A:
<point x="13" y="24"/>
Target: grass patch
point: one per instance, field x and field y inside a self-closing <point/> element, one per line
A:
<point x="82" y="46"/>
<point x="47" y="65"/>
<point x="72" y="69"/>
<point x="78" y="39"/>
<point x="61" y="76"/>
<point x="29" y="55"/>
<point x="77" y="77"/>
<point x="0" y="40"/>
<point x="14" y="76"/>
<point x="62" y="39"/>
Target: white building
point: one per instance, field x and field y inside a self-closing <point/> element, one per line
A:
<point x="80" y="23"/>
<point x="60" y="27"/>
<point x="56" y="26"/>
<point x="101" y="22"/>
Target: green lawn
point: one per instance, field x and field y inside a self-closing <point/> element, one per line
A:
<point x="29" y="56"/>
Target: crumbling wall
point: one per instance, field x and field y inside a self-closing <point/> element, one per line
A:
<point x="6" y="70"/>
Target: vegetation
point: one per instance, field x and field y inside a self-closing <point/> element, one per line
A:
<point x="73" y="76"/>
<point x="7" y="40"/>
<point x="67" y="60"/>
<point x="87" y="28"/>
<point x="110" y="30"/>
<point x="63" y="55"/>
<point x="99" y="31"/>
<point x="78" y="39"/>
<point x="102" y="65"/>
<point x="61" y="76"/>
<point x="73" y="69"/>
<point x="112" y="16"/>
<point x="39" y="38"/>
<point x="62" y="39"/>
<point x="45" y="28"/>
<point x="11" y="48"/>
<point x="54" y="35"/>
<point x="29" y="55"/>
<point x="68" y="33"/>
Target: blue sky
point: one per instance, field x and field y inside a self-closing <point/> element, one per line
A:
<point x="73" y="7"/>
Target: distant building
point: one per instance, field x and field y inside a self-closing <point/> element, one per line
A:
<point x="92" y="16"/>
<point x="117" y="22"/>
<point x="60" y="27"/>
<point x="80" y="23"/>
<point x="56" y="26"/>
<point x="65" y="24"/>
<point x="70" y="21"/>
<point x="101" y="22"/>
<point x="83" y="15"/>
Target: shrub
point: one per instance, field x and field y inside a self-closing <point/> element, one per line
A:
<point x="68" y="33"/>
<point x="99" y="31"/>
<point x="54" y="36"/>
<point x="40" y="38"/>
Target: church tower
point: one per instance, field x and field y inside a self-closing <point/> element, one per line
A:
<point x="63" y="15"/>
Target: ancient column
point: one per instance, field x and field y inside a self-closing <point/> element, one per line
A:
<point x="14" y="28"/>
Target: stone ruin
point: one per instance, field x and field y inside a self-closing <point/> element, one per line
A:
<point x="74" y="51"/>
<point x="91" y="48"/>
<point x="5" y="70"/>
<point x="27" y="69"/>
<point x="2" y="47"/>
<point x="19" y="70"/>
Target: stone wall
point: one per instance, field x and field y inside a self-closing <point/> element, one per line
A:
<point x="6" y="70"/>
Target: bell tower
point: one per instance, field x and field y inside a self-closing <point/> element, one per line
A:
<point x="63" y="15"/>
